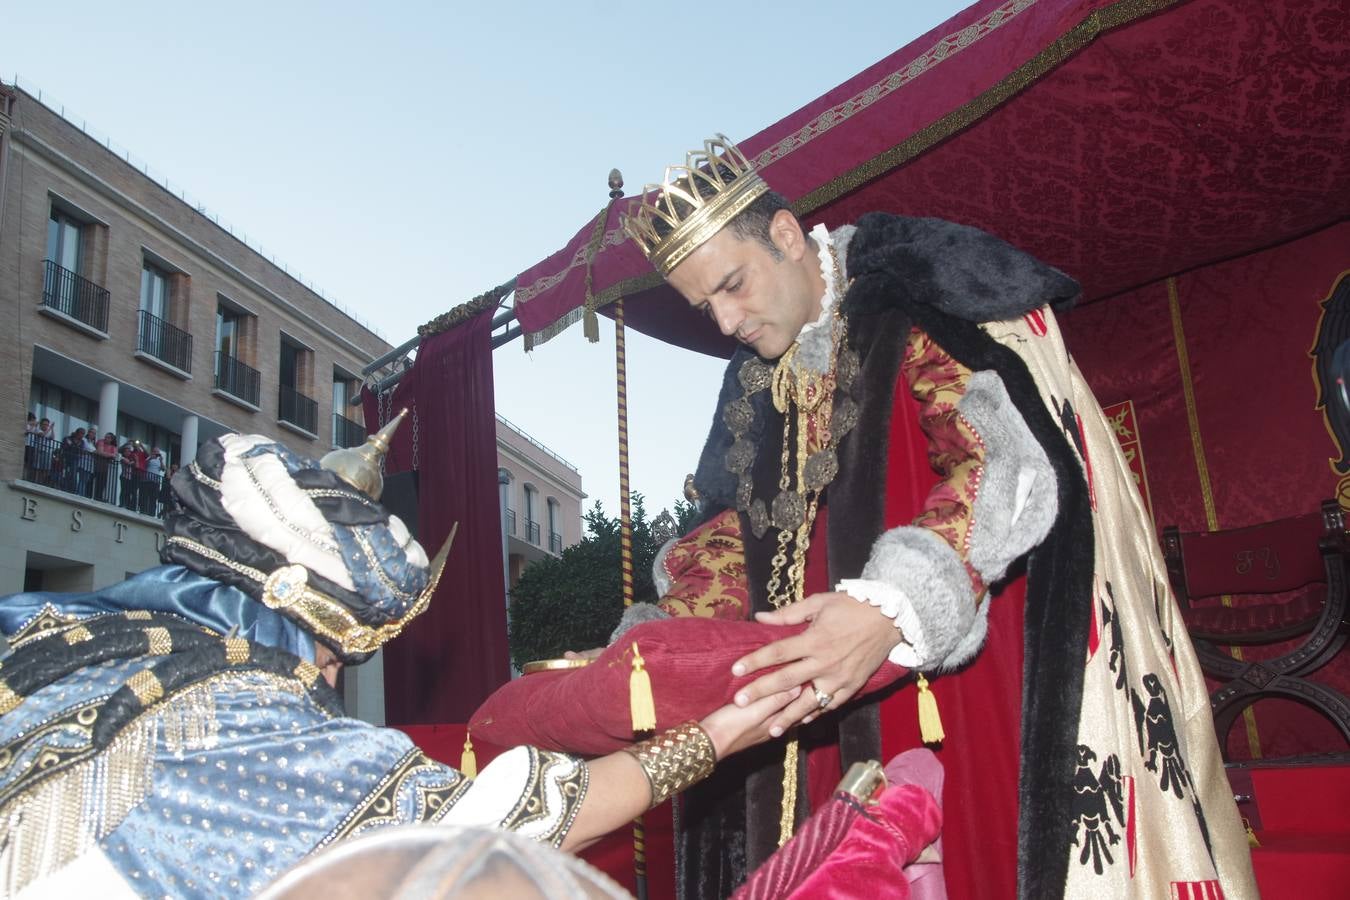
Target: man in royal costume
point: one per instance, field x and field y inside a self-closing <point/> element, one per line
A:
<point x="905" y="456"/>
<point x="177" y="734"/>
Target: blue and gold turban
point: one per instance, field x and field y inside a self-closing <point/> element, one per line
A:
<point x="298" y="537"/>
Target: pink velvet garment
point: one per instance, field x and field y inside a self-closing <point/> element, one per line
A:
<point x="847" y="850"/>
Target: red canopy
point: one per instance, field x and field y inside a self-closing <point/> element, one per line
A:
<point x="1120" y="140"/>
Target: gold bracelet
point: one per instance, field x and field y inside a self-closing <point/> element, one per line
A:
<point x="675" y="760"/>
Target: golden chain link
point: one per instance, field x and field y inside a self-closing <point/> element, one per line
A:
<point x="788" y="393"/>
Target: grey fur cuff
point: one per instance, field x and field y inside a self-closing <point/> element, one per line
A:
<point x="1018" y="497"/>
<point x="932" y="578"/>
<point x="636" y="615"/>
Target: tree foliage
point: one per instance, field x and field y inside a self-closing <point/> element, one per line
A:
<point x="574" y="601"/>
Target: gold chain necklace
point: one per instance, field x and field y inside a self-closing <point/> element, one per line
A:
<point x="810" y="395"/>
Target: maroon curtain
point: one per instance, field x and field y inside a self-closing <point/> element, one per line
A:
<point x="454" y="655"/>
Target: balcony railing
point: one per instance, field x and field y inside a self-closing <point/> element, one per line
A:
<point x="164" y="342"/>
<point x="555" y="542"/>
<point x="296" y="408"/>
<point x="237" y="379"/>
<point x="116" y="480"/>
<point x="533" y="532"/>
<point x="511" y="521"/>
<point x="347" y="433"/>
<point x="74" y="296"/>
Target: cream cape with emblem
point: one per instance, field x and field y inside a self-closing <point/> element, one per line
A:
<point x="1150" y="775"/>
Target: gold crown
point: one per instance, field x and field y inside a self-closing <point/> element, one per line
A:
<point x="726" y="176"/>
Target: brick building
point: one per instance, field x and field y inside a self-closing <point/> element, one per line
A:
<point x="130" y="312"/>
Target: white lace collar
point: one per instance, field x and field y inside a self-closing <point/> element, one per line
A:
<point x="821" y="235"/>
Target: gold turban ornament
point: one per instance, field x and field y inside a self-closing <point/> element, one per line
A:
<point x="360" y="466"/>
<point x="694" y="201"/>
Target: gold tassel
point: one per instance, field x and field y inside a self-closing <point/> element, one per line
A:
<point x="640" y="700"/>
<point x="468" y="761"/>
<point x="1251" y="835"/>
<point x="930" y="723"/>
<point x="590" y="323"/>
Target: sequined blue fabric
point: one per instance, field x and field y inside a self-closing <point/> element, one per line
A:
<point x="170" y="589"/>
<point x="248" y="773"/>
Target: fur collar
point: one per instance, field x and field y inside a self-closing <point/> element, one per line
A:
<point x="955" y="269"/>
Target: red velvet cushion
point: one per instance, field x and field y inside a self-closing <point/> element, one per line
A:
<point x="586" y="710"/>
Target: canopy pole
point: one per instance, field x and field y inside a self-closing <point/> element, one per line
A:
<point x="625" y="504"/>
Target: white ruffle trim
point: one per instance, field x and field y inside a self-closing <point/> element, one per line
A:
<point x="912" y="651"/>
<point x="821" y="235"/>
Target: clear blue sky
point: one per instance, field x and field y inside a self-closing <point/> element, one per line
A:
<point x="405" y="156"/>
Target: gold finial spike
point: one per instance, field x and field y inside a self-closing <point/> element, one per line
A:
<point x="360" y="466"/>
<point x="615" y="184"/>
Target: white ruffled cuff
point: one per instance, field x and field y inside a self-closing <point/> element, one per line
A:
<point x="913" y="649"/>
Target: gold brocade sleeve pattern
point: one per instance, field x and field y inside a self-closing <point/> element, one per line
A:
<point x="955" y="451"/>
<point x="707" y="571"/>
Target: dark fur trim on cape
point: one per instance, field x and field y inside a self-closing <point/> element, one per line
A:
<point x="945" y="278"/>
<point x="955" y="269"/>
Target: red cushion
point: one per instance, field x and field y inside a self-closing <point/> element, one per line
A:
<point x="586" y="710"/>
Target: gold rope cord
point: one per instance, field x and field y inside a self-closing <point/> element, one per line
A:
<point x="1202" y="471"/>
<point x="625" y="498"/>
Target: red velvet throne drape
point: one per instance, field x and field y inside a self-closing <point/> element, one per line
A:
<point x="455" y="654"/>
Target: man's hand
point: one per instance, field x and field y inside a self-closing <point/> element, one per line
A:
<point x="845" y="642"/>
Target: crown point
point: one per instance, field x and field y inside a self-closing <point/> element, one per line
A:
<point x="694" y="201"/>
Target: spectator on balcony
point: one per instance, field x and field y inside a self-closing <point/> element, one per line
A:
<point x="128" y="475"/>
<point x="30" y="432"/>
<point x="154" y="482"/>
<point x="104" y="466"/>
<point x="66" y="465"/>
<point x="84" y="461"/>
<point x="139" y="458"/>
<point x="43" y="444"/>
<point x="167" y="500"/>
